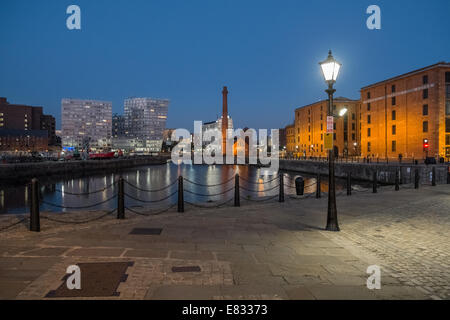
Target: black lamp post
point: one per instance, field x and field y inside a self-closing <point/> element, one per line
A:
<point x="330" y="69"/>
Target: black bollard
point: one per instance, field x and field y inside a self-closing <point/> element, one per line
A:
<point x="121" y="200"/>
<point x="281" y="195"/>
<point x="349" y="184"/>
<point x="397" y="180"/>
<point x="180" y="194"/>
<point x="35" y="224"/>
<point x="416" y="178"/>
<point x="433" y="176"/>
<point x="299" y="186"/>
<point x="374" y="184"/>
<point x="237" y="199"/>
<point x="318" y="191"/>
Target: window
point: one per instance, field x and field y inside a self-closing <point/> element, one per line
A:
<point x="321" y="148"/>
<point x="321" y="116"/>
<point x="425" y="126"/>
<point x="321" y="126"/>
<point x="321" y="136"/>
<point x="368" y="132"/>
<point x="309" y="128"/>
<point x="368" y="95"/>
<point x="393" y="115"/>
<point x="353" y="136"/>
<point x="394" y="129"/>
<point x="309" y="111"/>
<point x="321" y="108"/>
<point x="368" y="106"/>
<point x="368" y="118"/>
<point x="425" y="79"/>
<point x="447" y="77"/>
<point x="447" y="108"/>
<point x="447" y="139"/>
<point x="425" y="94"/>
<point x="393" y="101"/>
<point x="447" y="91"/>
<point x="425" y="110"/>
<point x="368" y="147"/>
<point x="353" y="116"/>
<point x="309" y="138"/>
<point x="447" y="124"/>
<point x="394" y="145"/>
<point x="393" y="88"/>
<point x="353" y="126"/>
<point x="334" y="126"/>
<point x="334" y="136"/>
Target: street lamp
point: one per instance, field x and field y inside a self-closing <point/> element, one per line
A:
<point x="330" y="69"/>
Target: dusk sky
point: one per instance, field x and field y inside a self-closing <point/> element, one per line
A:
<point x="266" y="52"/>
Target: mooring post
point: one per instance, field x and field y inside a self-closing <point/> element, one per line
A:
<point x="416" y="178"/>
<point x="448" y="175"/>
<point x="281" y="195"/>
<point x="397" y="180"/>
<point x="237" y="199"/>
<point x="35" y="224"/>
<point x="318" y="191"/>
<point x="180" y="194"/>
<point x="375" y="182"/>
<point x="349" y="184"/>
<point x="433" y="176"/>
<point x="121" y="200"/>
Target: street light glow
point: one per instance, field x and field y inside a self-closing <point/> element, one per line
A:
<point x="330" y="68"/>
<point x="342" y="112"/>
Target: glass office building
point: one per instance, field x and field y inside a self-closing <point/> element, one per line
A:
<point x="86" y="123"/>
<point x="145" y="121"/>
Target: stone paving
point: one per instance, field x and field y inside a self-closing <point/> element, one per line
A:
<point x="258" y="251"/>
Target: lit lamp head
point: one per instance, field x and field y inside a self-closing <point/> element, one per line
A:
<point x="330" y="69"/>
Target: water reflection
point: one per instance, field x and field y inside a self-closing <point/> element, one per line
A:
<point x="15" y="199"/>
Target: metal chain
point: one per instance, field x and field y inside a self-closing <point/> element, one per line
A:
<point x="87" y="193"/>
<point x="213" y="206"/>
<point x="81" y="207"/>
<point x="261" y="200"/>
<point x="12" y="225"/>
<point x="257" y="191"/>
<point x="209" y="195"/>
<point x="264" y="182"/>
<point x="208" y="185"/>
<point x="152" y="190"/>
<point x="150" y="201"/>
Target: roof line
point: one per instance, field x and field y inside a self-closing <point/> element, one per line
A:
<point x="439" y="64"/>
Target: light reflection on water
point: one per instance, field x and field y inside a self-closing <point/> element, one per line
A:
<point x="15" y="199"/>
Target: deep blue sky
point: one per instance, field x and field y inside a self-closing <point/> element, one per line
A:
<point x="266" y="52"/>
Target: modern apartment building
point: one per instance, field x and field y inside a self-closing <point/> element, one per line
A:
<point x="86" y="123"/>
<point x="401" y="113"/>
<point x="118" y="126"/>
<point x="145" y="120"/>
<point x="311" y="123"/>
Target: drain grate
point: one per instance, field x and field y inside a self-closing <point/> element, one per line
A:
<point x="99" y="279"/>
<point x="146" y="231"/>
<point x="187" y="269"/>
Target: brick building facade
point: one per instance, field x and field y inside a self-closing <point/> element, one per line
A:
<point x="400" y="113"/>
<point x="25" y="128"/>
<point x="310" y="128"/>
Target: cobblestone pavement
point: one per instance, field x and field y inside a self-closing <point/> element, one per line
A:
<point x="410" y="238"/>
<point x="258" y="251"/>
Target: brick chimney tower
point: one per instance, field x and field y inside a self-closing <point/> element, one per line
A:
<point x="224" y="119"/>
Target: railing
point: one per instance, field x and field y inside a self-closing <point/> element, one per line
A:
<point x="248" y="193"/>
